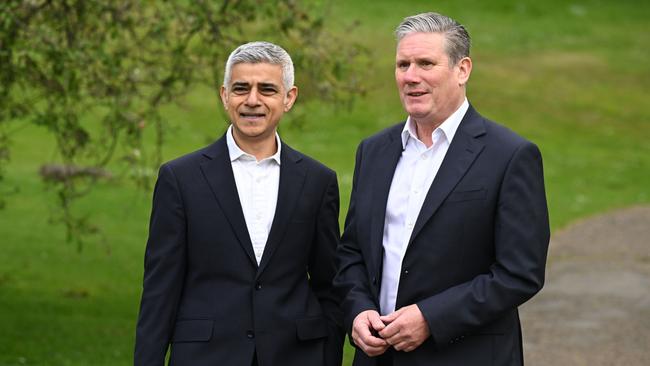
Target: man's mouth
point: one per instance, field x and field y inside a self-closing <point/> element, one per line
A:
<point x="251" y="115"/>
<point x="416" y="93"/>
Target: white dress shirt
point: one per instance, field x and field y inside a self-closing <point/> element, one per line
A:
<point x="413" y="176"/>
<point x="257" y="185"/>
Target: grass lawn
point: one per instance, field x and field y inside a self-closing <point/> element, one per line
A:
<point x="573" y="77"/>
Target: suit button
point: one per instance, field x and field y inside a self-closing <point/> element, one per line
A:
<point x="374" y="280"/>
<point x="258" y="286"/>
<point x="250" y="334"/>
<point x="406" y="271"/>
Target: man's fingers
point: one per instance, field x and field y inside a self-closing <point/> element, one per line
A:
<point x="372" y="341"/>
<point x="375" y="321"/>
<point x="389" y="318"/>
<point x="369" y="344"/>
<point x="403" y="346"/>
<point x="375" y="351"/>
<point x="363" y="327"/>
<point x="398" y="346"/>
<point x="389" y="332"/>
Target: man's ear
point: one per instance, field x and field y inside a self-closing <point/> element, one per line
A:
<point x="464" y="70"/>
<point x="290" y="99"/>
<point x="224" y="97"/>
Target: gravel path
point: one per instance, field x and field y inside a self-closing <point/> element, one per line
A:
<point x="595" y="307"/>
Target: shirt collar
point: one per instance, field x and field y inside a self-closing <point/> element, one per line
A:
<point x="448" y="126"/>
<point x="236" y="153"/>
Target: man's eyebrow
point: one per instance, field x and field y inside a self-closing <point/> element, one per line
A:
<point x="240" y="83"/>
<point x="268" y="85"/>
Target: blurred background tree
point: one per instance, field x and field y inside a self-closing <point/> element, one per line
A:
<point x="95" y="74"/>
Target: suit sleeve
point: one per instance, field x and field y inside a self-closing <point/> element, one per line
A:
<point x="322" y="268"/>
<point x="164" y="271"/>
<point x="352" y="281"/>
<point x="521" y="237"/>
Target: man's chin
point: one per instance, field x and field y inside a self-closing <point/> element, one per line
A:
<point x="251" y="122"/>
<point x="418" y="113"/>
<point x="253" y="133"/>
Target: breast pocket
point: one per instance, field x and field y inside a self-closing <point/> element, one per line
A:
<point x="467" y="195"/>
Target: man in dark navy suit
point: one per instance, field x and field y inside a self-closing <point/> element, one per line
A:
<point x="240" y="256"/>
<point x="447" y="231"/>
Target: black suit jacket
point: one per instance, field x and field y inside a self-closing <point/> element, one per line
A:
<point x="204" y="293"/>
<point x="478" y="249"/>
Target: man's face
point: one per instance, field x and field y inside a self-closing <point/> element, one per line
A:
<point x="430" y="90"/>
<point x="256" y="99"/>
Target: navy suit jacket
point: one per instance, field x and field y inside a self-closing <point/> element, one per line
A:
<point x="204" y="293"/>
<point x="477" y="251"/>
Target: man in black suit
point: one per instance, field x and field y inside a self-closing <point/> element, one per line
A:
<point x="447" y="231"/>
<point x="243" y="233"/>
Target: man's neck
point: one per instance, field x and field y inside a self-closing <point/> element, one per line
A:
<point x="424" y="132"/>
<point x="261" y="148"/>
<point x="425" y="127"/>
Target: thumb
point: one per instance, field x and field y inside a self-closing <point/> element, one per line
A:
<point x="387" y="319"/>
<point x="375" y="321"/>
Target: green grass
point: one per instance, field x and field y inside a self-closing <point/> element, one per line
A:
<point x="572" y="77"/>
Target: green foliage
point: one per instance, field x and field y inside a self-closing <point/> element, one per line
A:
<point x="95" y="74"/>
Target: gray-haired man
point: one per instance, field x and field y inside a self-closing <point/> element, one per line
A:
<point x="447" y="230"/>
<point x="240" y="256"/>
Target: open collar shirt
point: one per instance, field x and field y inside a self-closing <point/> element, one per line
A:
<point x="257" y="186"/>
<point x="413" y="176"/>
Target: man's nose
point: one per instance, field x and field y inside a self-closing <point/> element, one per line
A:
<point x="253" y="98"/>
<point x="411" y="75"/>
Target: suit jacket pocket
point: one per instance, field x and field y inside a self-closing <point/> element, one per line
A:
<point x="467" y="195"/>
<point x="193" y="330"/>
<point x="311" y="328"/>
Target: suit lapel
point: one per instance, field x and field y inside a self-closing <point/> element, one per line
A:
<point x="218" y="172"/>
<point x="385" y="165"/>
<point x="462" y="152"/>
<point x="292" y="178"/>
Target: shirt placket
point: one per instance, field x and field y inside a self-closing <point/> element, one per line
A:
<point x="258" y="205"/>
<point x="416" y="190"/>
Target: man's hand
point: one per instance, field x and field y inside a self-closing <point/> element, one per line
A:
<point x="406" y="328"/>
<point x="363" y="327"/>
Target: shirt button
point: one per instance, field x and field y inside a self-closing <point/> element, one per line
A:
<point x="424" y="157"/>
<point x="250" y="334"/>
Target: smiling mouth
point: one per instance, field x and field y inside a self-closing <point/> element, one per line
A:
<point x="251" y="115"/>
<point x="416" y="94"/>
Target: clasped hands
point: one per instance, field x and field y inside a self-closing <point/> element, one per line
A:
<point x="404" y="330"/>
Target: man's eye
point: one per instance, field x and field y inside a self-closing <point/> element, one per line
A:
<point x="239" y="90"/>
<point x="426" y="64"/>
<point x="268" y="91"/>
<point x="403" y="65"/>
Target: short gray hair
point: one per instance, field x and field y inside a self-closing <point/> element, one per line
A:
<point x="457" y="40"/>
<point x="261" y="52"/>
